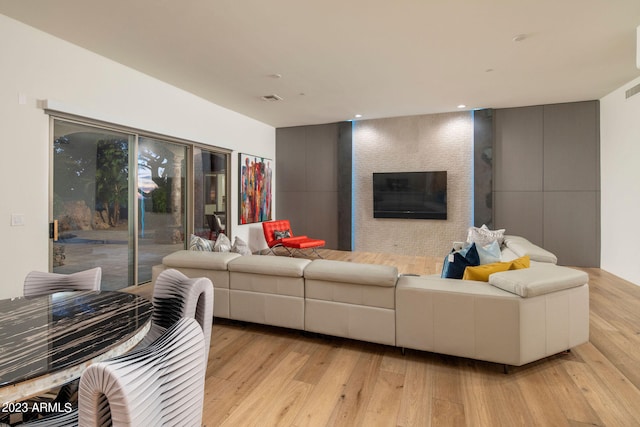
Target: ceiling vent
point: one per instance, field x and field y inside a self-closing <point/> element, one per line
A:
<point x="273" y="97"/>
<point x="633" y="91"/>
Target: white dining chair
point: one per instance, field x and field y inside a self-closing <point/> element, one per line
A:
<point x="42" y="283"/>
<point x="176" y="296"/>
<point x="55" y="420"/>
<point x="158" y="385"/>
<point x="38" y="283"/>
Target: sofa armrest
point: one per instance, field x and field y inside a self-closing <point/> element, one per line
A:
<point x="543" y="279"/>
<point x="521" y="247"/>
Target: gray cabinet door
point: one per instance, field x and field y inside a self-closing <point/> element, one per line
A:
<point x="547" y="178"/>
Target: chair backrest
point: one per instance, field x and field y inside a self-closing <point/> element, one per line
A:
<point x="214" y="223"/>
<point x="159" y="385"/>
<point x="176" y="296"/>
<point x="61" y="419"/>
<point x="41" y="283"/>
<point x="270" y="227"/>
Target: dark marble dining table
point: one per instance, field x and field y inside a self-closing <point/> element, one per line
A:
<point x="47" y="341"/>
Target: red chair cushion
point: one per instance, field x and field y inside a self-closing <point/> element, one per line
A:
<point x="304" y="243"/>
<point x="270" y="227"/>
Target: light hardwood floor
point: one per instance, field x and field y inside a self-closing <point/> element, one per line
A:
<point x="266" y="376"/>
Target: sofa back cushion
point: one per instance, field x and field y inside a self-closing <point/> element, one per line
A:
<point x="352" y="272"/>
<point x="199" y="259"/>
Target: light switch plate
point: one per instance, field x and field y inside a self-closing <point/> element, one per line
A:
<point x="17" y="220"/>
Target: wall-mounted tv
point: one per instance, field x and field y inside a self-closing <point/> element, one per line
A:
<point x="417" y="195"/>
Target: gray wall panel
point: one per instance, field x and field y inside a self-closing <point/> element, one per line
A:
<point x="520" y="213"/>
<point x="570" y="219"/>
<point x="290" y="202"/>
<point x="483" y="168"/>
<point x="321" y="214"/>
<point x="518" y="152"/>
<point x="571" y="148"/>
<point x="322" y="158"/>
<point x="562" y="140"/>
<point x="291" y="151"/>
<point x="309" y="195"/>
<point x="345" y="182"/>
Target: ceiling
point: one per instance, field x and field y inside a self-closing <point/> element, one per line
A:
<point x="329" y="60"/>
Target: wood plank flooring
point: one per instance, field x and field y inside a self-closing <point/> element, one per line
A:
<point x="266" y="376"/>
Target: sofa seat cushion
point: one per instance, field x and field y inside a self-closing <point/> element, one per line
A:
<point x="434" y="283"/>
<point x="199" y="259"/>
<point x="351" y="272"/>
<point x="304" y="243"/>
<point x="539" y="280"/>
<point x="521" y="247"/>
<point x="269" y="265"/>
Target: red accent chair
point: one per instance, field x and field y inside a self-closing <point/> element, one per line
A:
<point x="287" y="239"/>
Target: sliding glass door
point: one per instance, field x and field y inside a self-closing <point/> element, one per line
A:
<point x="91" y="202"/>
<point x="118" y="200"/>
<point x="162" y="201"/>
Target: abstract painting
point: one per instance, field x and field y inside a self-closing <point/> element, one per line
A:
<point x="255" y="189"/>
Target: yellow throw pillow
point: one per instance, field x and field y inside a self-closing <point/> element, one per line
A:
<point x="481" y="273"/>
<point x="519" y="263"/>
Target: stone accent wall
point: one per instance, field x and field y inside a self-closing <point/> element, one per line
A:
<point x="408" y="144"/>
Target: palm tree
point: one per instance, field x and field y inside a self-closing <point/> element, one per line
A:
<point x="112" y="176"/>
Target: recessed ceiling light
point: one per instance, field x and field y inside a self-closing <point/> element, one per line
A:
<point x="357" y="116"/>
<point x="462" y="106"/>
<point x="519" y="37"/>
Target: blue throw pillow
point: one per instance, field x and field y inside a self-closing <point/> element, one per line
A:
<point x="489" y="253"/>
<point x="456" y="262"/>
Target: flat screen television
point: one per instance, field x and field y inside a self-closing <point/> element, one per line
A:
<point x="417" y="195"/>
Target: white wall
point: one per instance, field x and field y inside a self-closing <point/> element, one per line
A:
<point x="620" y="182"/>
<point x="38" y="66"/>
<point x="408" y="144"/>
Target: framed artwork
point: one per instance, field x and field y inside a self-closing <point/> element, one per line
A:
<point x="255" y="189"/>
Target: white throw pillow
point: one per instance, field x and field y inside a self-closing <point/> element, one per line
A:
<point x="483" y="236"/>
<point x="197" y="243"/>
<point x="240" y="247"/>
<point x="223" y="244"/>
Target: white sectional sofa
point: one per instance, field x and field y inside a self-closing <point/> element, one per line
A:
<point x="519" y="316"/>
